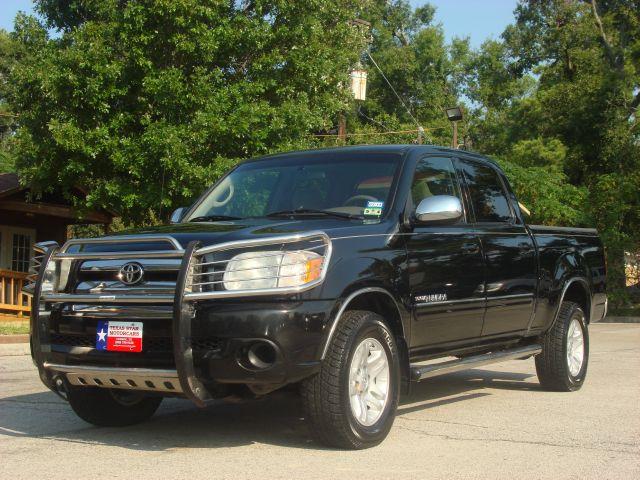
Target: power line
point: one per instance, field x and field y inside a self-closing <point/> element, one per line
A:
<point x="399" y="132"/>
<point x="364" y="134"/>
<point x="361" y="113"/>
<point x="394" y="91"/>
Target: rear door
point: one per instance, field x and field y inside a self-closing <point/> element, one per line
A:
<point x="508" y="249"/>
<point x="446" y="277"/>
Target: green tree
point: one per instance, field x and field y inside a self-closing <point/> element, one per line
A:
<point x="7" y="116"/>
<point x="548" y="195"/>
<point x="145" y="102"/>
<point x="425" y="71"/>
<point x="562" y="89"/>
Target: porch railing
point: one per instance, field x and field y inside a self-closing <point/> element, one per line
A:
<point x="12" y="300"/>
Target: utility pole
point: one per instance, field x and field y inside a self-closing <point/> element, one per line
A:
<point x="342" y="127"/>
<point x="454" y="140"/>
<point x="454" y="114"/>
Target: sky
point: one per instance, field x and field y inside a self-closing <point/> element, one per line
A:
<point x="477" y="19"/>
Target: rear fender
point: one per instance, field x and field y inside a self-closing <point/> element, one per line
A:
<point x="576" y="289"/>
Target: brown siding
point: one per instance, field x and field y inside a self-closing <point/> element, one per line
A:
<point x="47" y="228"/>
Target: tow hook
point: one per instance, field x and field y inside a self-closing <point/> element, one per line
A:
<point x="60" y="387"/>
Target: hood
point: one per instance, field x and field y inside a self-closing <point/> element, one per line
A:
<point x="210" y="233"/>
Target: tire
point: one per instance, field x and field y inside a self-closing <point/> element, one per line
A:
<point x="555" y="369"/>
<point x="328" y="396"/>
<point x="110" y="408"/>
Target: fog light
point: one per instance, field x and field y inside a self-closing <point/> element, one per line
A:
<point x="258" y="356"/>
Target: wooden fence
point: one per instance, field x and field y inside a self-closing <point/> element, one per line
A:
<point x="12" y="301"/>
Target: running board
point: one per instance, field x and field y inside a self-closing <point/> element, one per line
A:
<point x="420" y="372"/>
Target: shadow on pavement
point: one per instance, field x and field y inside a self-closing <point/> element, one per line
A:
<point x="461" y="386"/>
<point x="275" y="419"/>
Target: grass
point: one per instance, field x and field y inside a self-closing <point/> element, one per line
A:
<point x="625" y="312"/>
<point x="18" y="327"/>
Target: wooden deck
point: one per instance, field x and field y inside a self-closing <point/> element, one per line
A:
<point x="14" y="305"/>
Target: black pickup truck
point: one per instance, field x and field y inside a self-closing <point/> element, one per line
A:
<point x="349" y="272"/>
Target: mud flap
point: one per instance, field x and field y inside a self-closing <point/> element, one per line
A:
<point x="183" y="314"/>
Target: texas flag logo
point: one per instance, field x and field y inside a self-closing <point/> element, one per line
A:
<point x="119" y="336"/>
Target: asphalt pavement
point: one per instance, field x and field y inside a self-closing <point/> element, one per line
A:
<point x="493" y="422"/>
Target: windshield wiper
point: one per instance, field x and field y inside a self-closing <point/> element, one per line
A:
<point x="213" y="218"/>
<point x="311" y="211"/>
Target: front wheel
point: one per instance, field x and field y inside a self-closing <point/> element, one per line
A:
<point x="562" y="365"/>
<point x="112" y="408"/>
<point x="352" y="402"/>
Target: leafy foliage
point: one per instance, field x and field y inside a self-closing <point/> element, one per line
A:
<point x="552" y="200"/>
<point x="425" y="72"/>
<point x="563" y="94"/>
<point x="554" y="99"/>
<point x="144" y="103"/>
<point x="7" y="118"/>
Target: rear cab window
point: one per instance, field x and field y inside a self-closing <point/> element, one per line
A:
<point x="487" y="193"/>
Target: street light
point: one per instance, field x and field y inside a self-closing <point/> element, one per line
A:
<point x="454" y="114"/>
<point x="359" y="83"/>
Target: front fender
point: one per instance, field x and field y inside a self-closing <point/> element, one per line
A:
<point x="358" y="270"/>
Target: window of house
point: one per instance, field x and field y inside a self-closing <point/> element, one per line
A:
<point x="21" y="251"/>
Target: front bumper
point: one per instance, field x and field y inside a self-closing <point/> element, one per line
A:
<point x="205" y="345"/>
<point x="146" y="379"/>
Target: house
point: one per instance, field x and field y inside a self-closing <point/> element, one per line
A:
<point x="25" y="221"/>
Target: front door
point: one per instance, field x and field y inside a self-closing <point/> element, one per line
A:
<point x="509" y="252"/>
<point x="446" y="276"/>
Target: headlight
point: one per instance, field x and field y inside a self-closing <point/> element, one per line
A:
<point x="56" y="276"/>
<point x="63" y="275"/>
<point x="272" y="269"/>
<point x="49" y="278"/>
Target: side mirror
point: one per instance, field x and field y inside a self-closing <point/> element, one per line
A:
<point x="439" y="208"/>
<point x="177" y="214"/>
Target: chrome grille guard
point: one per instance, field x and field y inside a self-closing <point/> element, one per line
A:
<point x="187" y="292"/>
<point x="206" y="272"/>
<point x="201" y="277"/>
<point x="175" y="251"/>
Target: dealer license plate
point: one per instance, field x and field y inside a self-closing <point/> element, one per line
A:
<point x="119" y="336"/>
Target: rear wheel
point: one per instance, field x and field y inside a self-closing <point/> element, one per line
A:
<point x="562" y="365"/>
<point x="112" y="408"/>
<point x="352" y="402"/>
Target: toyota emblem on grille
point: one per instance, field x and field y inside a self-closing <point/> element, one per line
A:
<point x="131" y="273"/>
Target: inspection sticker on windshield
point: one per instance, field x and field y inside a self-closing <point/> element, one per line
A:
<point x="119" y="336"/>
<point x="374" y="208"/>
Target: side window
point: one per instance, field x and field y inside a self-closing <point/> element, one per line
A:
<point x="488" y="198"/>
<point x="434" y="176"/>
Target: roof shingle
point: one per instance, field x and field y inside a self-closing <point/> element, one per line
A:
<point x="9" y="182"/>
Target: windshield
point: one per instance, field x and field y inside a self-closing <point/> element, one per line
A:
<point x="353" y="186"/>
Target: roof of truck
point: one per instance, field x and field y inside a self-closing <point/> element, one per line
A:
<point x="398" y="149"/>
